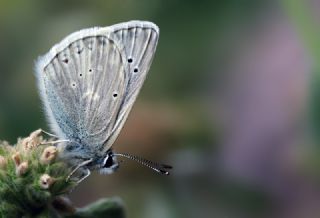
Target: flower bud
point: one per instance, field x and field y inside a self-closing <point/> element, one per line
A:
<point x="22" y="168"/>
<point x="46" y="181"/>
<point x="35" y="134"/>
<point x="48" y="155"/>
<point x="17" y="158"/>
<point x="32" y="141"/>
<point x="26" y="143"/>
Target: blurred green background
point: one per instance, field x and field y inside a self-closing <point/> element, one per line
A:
<point x="228" y="102"/>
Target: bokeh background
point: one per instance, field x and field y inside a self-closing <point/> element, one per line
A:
<point x="231" y="101"/>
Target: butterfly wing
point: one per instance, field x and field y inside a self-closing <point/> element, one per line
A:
<point x="82" y="83"/>
<point x="89" y="82"/>
<point x="138" y="41"/>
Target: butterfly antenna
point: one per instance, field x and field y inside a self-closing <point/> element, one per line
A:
<point x="49" y="134"/>
<point x="159" y="168"/>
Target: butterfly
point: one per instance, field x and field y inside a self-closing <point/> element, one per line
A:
<point x="88" y="84"/>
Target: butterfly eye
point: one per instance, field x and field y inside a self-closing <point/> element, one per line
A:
<point x="66" y="60"/>
<point x="108" y="162"/>
<point x="135" y="70"/>
<point x="130" y="60"/>
<point x="115" y="95"/>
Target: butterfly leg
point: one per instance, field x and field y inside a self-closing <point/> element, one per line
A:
<point x="84" y="163"/>
<point x="48" y="133"/>
<point x="84" y="177"/>
<point x="55" y="142"/>
<point x="39" y="131"/>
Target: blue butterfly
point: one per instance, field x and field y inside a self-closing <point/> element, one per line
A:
<point x="88" y="83"/>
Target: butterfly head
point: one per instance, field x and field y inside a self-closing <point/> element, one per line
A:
<point x="109" y="163"/>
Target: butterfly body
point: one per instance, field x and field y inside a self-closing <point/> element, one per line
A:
<point x="88" y="83"/>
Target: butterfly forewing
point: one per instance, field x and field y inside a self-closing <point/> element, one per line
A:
<point x="84" y="85"/>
